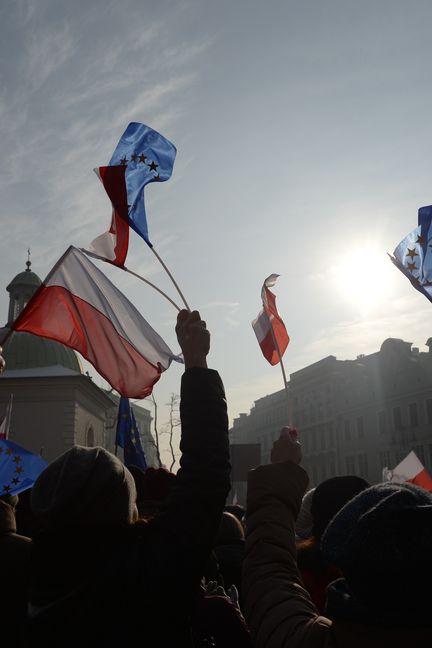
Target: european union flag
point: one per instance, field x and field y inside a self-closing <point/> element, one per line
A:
<point x="127" y="436"/>
<point x="148" y="157"/>
<point x="19" y="468"/>
<point x="413" y="255"/>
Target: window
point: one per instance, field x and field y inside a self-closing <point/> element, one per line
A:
<point x="347" y="431"/>
<point x="350" y="465"/>
<point x="314" y="440"/>
<point x="419" y="450"/>
<point x="363" y="465"/>
<point x="90" y="437"/>
<point x="331" y="435"/>
<point x="322" y="434"/>
<point x="413" y="414"/>
<point x="397" y="417"/>
<point x="360" y="427"/>
<point x="429" y="410"/>
<point x="312" y="414"/>
<point x="385" y="459"/>
<point x="382" y="422"/>
<point x="332" y="468"/>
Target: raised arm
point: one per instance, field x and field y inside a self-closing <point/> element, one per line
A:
<point x="193" y="514"/>
<point x="277" y="607"/>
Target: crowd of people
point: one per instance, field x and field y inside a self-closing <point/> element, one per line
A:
<point x="102" y="556"/>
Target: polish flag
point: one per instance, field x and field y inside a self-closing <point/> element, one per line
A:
<point x="78" y="306"/>
<point x="112" y="246"/>
<point x="269" y="328"/>
<point x="412" y="470"/>
<point x="5" y="424"/>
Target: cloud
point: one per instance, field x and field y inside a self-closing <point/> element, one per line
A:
<point x="47" y="53"/>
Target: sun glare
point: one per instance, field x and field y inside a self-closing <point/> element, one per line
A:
<point x="364" y="276"/>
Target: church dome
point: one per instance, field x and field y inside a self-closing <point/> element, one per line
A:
<point x="26" y="278"/>
<point x="27" y="351"/>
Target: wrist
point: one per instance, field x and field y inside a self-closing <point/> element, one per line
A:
<point x="195" y="361"/>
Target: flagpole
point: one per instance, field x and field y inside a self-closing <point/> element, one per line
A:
<point x="152" y="286"/>
<point x="276" y="345"/>
<point x="171" y="277"/>
<point x="149" y="283"/>
<point x="9" y="416"/>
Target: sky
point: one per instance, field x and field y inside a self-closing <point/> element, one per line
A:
<point x="303" y="133"/>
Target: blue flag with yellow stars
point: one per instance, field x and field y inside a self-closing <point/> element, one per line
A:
<point x="127" y="436"/>
<point x="148" y="157"/>
<point x="19" y="468"/>
<point x="413" y="255"/>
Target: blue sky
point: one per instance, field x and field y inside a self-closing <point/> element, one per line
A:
<point x="303" y="133"/>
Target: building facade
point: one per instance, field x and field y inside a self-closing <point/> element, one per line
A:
<point x="354" y="416"/>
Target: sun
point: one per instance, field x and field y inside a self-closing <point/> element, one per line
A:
<point x="364" y="276"/>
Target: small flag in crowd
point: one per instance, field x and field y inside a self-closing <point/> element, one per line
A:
<point x="413" y="255"/>
<point x="19" y="468"/>
<point x="142" y="156"/>
<point x="410" y="470"/>
<point x="269" y="328"/>
<point x="5" y="424"/>
<point x="78" y="306"/>
<point x="127" y="436"/>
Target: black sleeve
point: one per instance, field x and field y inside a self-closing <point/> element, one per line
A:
<point x="186" y="531"/>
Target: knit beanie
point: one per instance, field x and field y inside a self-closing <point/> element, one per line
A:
<point x="330" y="496"/>
<point x="382" y="541"/>
<point x="158" y="484"/>
<point x="85" y="486"/>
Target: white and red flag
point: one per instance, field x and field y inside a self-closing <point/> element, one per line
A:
<point x="112" y="246"/>
<point x="411" y="470"/>
<point x="269" y="328"/>
<point x="5" y="424"/>
<point x="78" y="306"/>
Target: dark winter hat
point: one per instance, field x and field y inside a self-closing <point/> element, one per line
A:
<point x="382" y="541"/>
<point x="158" y="483"/>
<point x="88" y="486"/>
<point x="139" y="478"/>
<point x="330" y="496"/>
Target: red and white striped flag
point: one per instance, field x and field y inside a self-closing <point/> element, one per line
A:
<point x="269" y="328"/>
<point x="5" y="424"/>
<point x="412" y="470"/>
<point x="78" y="306"/>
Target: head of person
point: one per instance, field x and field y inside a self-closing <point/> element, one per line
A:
<point x="304" y="521"/>
<point x="85" y="487"/>
<point x="381" y="540"/>
<point x="157" y="484"/>
<point x="230" y="530"/>
<point x="154" y="486"/>
<point x="329" y="497"/>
